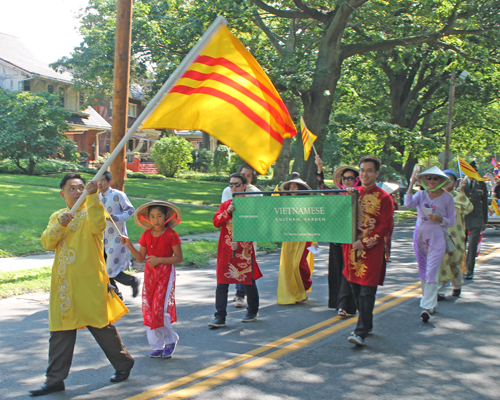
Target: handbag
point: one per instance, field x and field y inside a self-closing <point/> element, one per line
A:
<point x="450" y="244"/>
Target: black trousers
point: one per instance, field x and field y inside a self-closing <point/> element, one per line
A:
<point x="124" y="279"/>
<point x="364" y="296"/>
<point x="340" y="295"/>
<point x="221" y="299"/>
<point x="62" y="346"/>
<point x="474" y="235"/>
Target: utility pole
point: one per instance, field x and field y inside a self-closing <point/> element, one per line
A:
<point x="451" y="99"/>
<point x="121" y="85"/>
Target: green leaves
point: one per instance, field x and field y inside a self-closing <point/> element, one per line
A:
<point x="32" y="127"/>
<point x="171" y="154"/>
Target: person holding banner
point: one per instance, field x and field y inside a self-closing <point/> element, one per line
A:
<point x="476" y="221"/>
<point x="79" y="290"/>
<point x="435" y="213"/>
<point x="248" y="172"/>
<point x="235" y="261"/>
<point x="340" y="295"/>
<point x="451" y="265"/>
<point x="365" y="258"/>
<point x="296" y="262"/>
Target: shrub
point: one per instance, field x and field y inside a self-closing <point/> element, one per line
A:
<point x="236" y="163"/>
<point x="222" y="158"/>
<point x="44" y="167"/>
<point x="142" y="175"/>
<point x="202" y="160"/>
<point x="171" y="154"/>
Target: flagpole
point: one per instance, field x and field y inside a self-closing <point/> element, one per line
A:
<point x="179" y="71"/>
<point x="312" y="144"/>
<point x="459" y="169"/>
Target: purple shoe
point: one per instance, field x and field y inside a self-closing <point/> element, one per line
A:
<point x="156" y="353"/>
<point x="169" y="350"/>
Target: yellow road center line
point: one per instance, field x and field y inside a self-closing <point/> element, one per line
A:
<point x="486" y="256"/>
<point x="259" y="362"/>
<point x="243" y="357"/>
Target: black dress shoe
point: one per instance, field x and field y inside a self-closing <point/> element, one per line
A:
<point x="120" y="376"/>
<point x="46" y="389"/>
<point x="135" y="287"/>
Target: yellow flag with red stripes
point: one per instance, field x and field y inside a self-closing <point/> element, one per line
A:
<point x="226" y="93"/>
<point x="467" y="169"/>
<point x="494" y="204"/>
<point x="308" y="139"/>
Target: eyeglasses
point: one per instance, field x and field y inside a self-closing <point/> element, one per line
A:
<point x="348" y="178"/>
<point x="235" y="184"/>
<point x="432" y="178"/>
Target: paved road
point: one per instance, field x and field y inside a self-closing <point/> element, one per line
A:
<point x="291" y="352"/>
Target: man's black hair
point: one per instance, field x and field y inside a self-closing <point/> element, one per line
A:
<point x="240" y="177"/>
<point x="375" y="160"/>
<point x="246" y="166"/>
<point x="107" y="175"/>
<point x="67" y="177"/>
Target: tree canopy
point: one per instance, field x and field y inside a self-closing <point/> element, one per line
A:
<point x="32" y="127"/>
<point x="379" y="67"/>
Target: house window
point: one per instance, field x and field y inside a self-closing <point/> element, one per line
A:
<point x="81" y="100"/>
<point x="132" y="110"/>
<point x="50" y="88"/>
<point x="61" y="95"/>
<point x="27" y="86"/>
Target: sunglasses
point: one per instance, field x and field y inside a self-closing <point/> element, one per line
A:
<point x="235" y="184"/>
<point x="348" y="178"/>
<point x="432" y="178"/>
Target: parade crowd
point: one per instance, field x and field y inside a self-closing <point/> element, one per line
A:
<point x="92" y="251"/>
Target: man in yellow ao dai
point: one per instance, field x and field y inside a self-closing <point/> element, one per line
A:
<point x="79" y="294"/>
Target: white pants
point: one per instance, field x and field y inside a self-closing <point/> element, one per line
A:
<point x="159" y="337"/>
<point x="429" y="295"/>
<point x="455" y="284"/>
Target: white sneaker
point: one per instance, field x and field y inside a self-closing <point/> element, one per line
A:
<point x="240" y="302"/>
<point x="357" y="340"/>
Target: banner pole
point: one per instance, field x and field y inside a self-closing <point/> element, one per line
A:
<point x="179" y="71"/>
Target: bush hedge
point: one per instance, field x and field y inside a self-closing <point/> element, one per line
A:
<point x="48" y="166"/>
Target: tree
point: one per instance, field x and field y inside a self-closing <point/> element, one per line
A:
<point x="304" y="46"/>
<point x="171" y="155"/>
<point x="401" y="97"/>
<point x="32" y="127"/>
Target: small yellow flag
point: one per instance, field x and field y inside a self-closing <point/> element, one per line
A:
<point x="276" y="189"/>
<point x="466" y="168"/>
<point x="308" y="139"/>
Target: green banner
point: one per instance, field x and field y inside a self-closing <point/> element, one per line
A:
<point x="299" y="218"/>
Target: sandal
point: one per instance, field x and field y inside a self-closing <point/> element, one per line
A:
<point x="342" y="313"/>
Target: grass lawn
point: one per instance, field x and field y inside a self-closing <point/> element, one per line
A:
<point x="26" y="211"/>
<point x="176" y="190"/>
<point x="14" y="283"/>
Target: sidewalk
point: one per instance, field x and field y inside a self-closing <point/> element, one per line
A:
<point x="46" y="260"/>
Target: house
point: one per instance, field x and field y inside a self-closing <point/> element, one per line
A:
<point x="196" y="139"/>
<point x="142" y="140"/>
<point x="90" y="129"/>
<point x="20" y="70"/>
